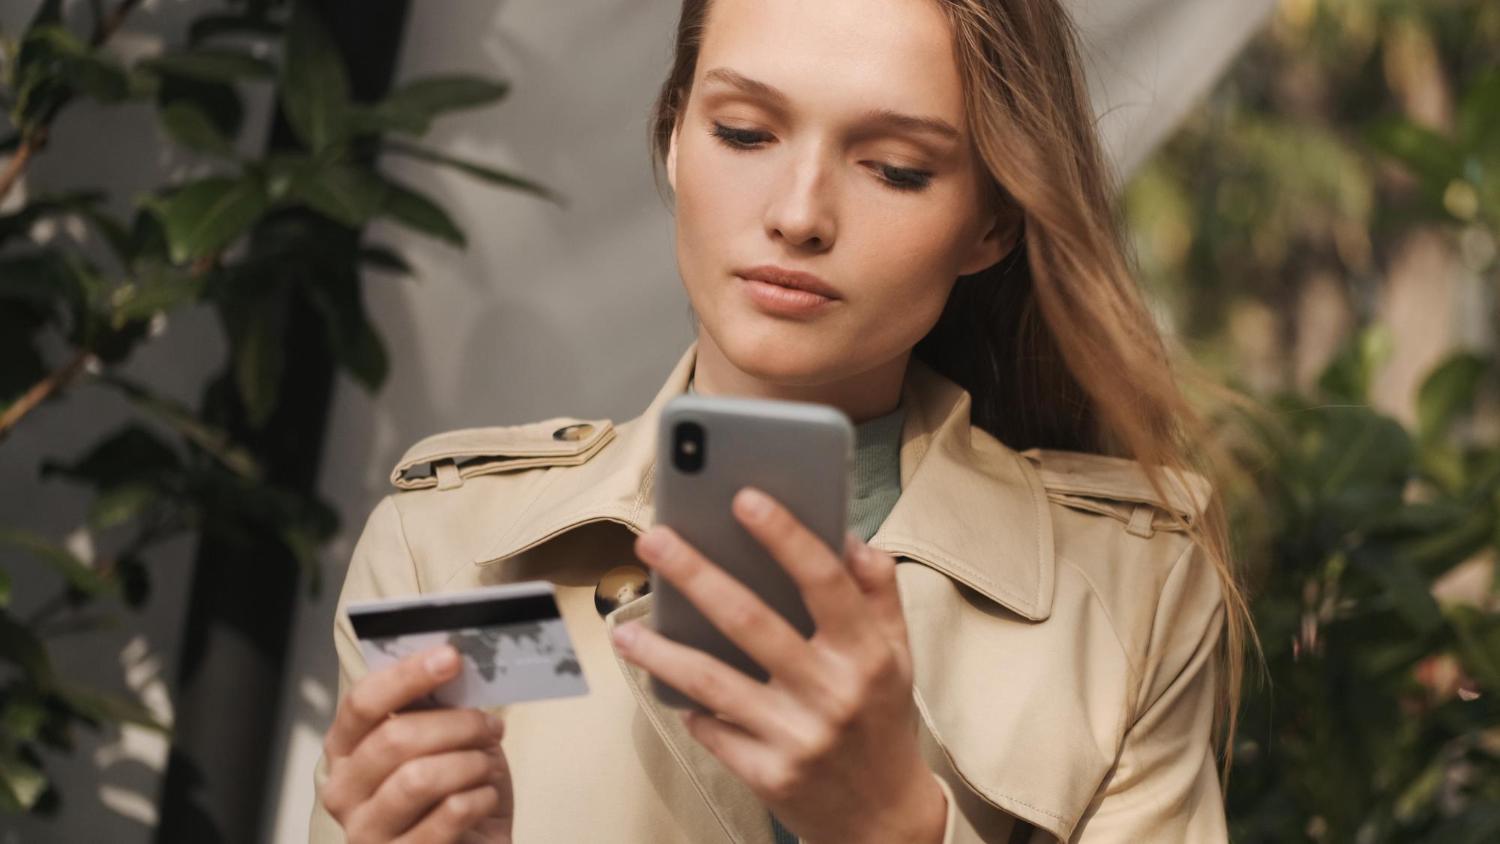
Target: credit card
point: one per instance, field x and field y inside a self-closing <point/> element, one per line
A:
<point x="511" y="638"/>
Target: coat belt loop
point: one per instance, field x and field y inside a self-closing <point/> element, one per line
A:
<point x="447" y="474"/>
<point x="1140" y="520"/>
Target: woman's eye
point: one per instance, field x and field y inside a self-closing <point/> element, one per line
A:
<point x="738" y="138"/>
<point x="902" y="178"/>
<point x="897" y="178"/>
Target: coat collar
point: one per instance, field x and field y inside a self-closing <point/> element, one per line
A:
<point x="970" y="507"/>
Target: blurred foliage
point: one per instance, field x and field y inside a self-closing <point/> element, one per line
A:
<point x="247" y="236"/>
<point x="1379" y="622"/>
<point x="1349" y="130"/>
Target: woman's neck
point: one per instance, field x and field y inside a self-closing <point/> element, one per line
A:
<point x="862" y="396"/>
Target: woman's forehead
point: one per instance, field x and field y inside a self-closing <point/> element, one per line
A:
<point x="834" y="56"/>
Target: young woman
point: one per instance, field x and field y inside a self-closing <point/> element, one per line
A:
<point x="896" y="207"/>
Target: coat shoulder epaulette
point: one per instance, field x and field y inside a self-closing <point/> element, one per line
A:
<point x="1118" y="487"/>
<point x="445" y="460"/>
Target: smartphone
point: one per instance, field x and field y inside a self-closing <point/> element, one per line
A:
<point x="708" y="447"/>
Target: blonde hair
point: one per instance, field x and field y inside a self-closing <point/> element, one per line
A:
<point x="1041" y="339"/>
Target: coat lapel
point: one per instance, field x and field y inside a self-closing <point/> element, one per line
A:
<point x="970" y="508"/>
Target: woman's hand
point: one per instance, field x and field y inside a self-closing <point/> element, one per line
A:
<point x="829" y="742"/>
<point x="431" y="776"/>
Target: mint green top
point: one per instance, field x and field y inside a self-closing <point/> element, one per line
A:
<point x="876" y="486"/>
<point x="877" y="470"/>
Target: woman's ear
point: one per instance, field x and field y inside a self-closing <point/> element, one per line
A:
<point x="672" y="157"/>
<point x="998" y="241"/>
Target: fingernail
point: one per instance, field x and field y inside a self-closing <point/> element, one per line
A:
<point x="442" y="662"/>
<point x="756" y="503"/>
<point x="653" y="542"/>
<point x="497" y="727"/>
<point x="624" y="635"/>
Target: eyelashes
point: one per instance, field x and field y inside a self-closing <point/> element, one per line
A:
<point x="896" y="178"/>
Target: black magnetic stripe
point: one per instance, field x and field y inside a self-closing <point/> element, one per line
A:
<point x="379" y="624"/>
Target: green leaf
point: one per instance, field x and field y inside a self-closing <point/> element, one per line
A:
<point x="43" y="278"/>
<point x="21" y="361"/>
<point x="23" y="718"/>
<point x="21" y="647"/>
<point x="215" y="441"/>
<point x="412" y="107"/>
<point x="350" y="194"/>
<point x="1404" y="587"/>
<point x="256" y="341"/>
<point x="1360" y="452"/>
<point x="356" y="344"/>
<point x="206" y="216"/>
<point x="479" y="171"/>
<point x="1479" y="114"/>
<point x="157" y="288"/>
<point x="1431" y="157"/>
<point x="1348" y="377"/>
<point x="78" y="574"/>
<point x="188" y="125"/>
<point x="220" y="102"/>
<point x="382" y="258"/>
<point x="39" y="74"/>
<point x="99" y="77"/>
<point x="121" y="504"/>
<point x="210" y="64"/>
<point x="1448" y="391"/>
<point x="314" y="84"/>
<point x="104" y="708"/>
<point x="23" y="782"/>
<point x="417" y="212"/>
<point x="125" y="456"/>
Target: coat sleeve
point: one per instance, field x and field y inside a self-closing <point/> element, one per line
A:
<point x="1164" y="785"/>
<point x="381" y="566"/>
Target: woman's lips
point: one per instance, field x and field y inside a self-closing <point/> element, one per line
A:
<point x="783" y="301"/>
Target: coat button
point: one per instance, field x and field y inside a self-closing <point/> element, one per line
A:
<point x="619" y="586"/>
<point x="573" y="433"/>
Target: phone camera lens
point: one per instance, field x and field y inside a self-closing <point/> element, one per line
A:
<point x="688" y="446"/>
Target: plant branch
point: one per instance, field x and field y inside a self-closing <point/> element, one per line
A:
<point x="32" y="141"/>
<point x="111" y="24"/>
<point x="42" y="390"/>
<point x="13" y="168"/>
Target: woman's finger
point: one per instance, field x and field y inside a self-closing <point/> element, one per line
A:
<point x="408" y="736"/>
<point x="759" y="708"/>
<point x="417" y="786"/>
<point x="875" y="571"/>
<point x="454" y="816"/>
<point x="761" y="632"/>
<point x="379" y="693"/>
<point x="756" y="764"/>
<point x="832" y="596"/>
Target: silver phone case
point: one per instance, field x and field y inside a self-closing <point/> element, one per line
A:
<point x="801" y="453"/>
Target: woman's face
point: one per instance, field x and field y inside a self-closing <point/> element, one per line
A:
<point x="796" y="151"/>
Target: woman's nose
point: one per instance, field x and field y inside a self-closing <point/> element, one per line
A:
<point x="801" y="209"/>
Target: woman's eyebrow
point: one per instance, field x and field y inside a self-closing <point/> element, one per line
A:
<point x="874" y="117"/>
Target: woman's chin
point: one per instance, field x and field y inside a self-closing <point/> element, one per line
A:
<point x="784" y="360"/>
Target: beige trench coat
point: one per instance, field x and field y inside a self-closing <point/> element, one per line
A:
<point x="1062" y="630"/>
